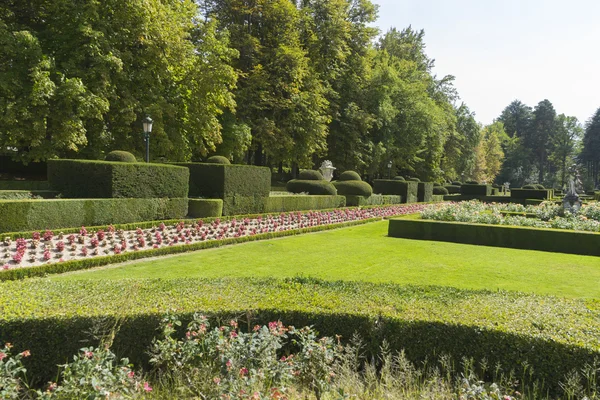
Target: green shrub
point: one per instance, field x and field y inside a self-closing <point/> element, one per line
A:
<point x="319" y="188"/>
<point x="424" y="192"/>
<point x="25" y="215"/>
<point x="310" y="175"/>
<point x="470" y="189"/>
<point x="472" y="183"/>
<point x="373" y="200"/>
<point x="399" y="178"/>
<point x="218" y="160"/>
<point x="456" y="183"/>
<point x="120" y="156"/>
<point x="436" y="184"/>
<point x="303" y="203"/>
<point x="539" y="186"/>
<point x="205" y="208"/>
<point x="414" y="180"/>
<point x="243" y="188"/>
<point x="103" y="179"/>
<point x="24" y="185"/>
<point x="437" y="198"/>
<point x="530" y="187"/>
<point x="350" y="176"/>
<point x="440" y="191"/>
<point x="26" y="194"/>
<point x="543" y="194"/>
<point x="353" y="188"/>
<point x="408" y="190"/>
<point x="452" y="189"/>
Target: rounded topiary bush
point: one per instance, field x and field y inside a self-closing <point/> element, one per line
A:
<point x="452" y="189"/>
<point x="350" y="176"/>
<point x="414" y="180"/>
<point x="310" y="175"/>
<point x="313" y="187"/>
<point x="399" y="178"/>
<point x="531" y="187"/>
<point x="439" y="190"/>
<point x="472" y="183"/>
<point x="457" y="183"/>
<point x="218" y="160"/>
<point x="120" y="156"/>
<point x="539" y="186"/>
<point x="353" y="188"/>
<point x="435" y="184"/>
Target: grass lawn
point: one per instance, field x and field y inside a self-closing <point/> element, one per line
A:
<point x="365" y="253"/>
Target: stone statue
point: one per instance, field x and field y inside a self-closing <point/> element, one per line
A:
<point x="572" y="203"/>
<point x="327" y="169"/>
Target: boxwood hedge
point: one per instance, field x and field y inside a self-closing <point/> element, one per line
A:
<point x="312" y="187"/>
<point x="425" y="192"/>
<point x="302" y="203"/>
<point x="539" y="194"/>
<point x="24" y="185"/>
<point x="353" y="188"/>
<point x="373" y="200"/>
<point x="106" y="179"/>
<point x="205" y="208"/>
<point x="407" y="189"/>
<point x="53" y="319"/>
<point x="470" y="189"/>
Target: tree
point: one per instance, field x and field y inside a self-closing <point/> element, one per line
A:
<point x="540" y="135"/>
<point x="489" y="154"/>
<point x="517" y="119"/>
<point x="590" y="154"/>
<point x="568" y="133"/>
<point x="459" y="151"/>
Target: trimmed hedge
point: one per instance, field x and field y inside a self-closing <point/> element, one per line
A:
<point x="24" y="215"/>
<point x="315" y="188"/>
<point x="53" y="319"/>
<point x="413" y="179"/>
<point x="373" y="200"/>
<point x="120" y="156"/>
<point x="205" y="208"/>
<point x="107" y="179"/>
<point x="440" y="191"/>
<point x="457" y="183"/>
<point x="26" y="194"/>
<point x="399" y="178"/>
<point x="517" y="237"/>
<point x="24" y="185"/>
<point x="302" y="203"/>
<point x="453" y="189"/>
<point x="310" y="175"/>
<point x="218" y="160"/>
<point x="350" y="176"/>
<point x="353" y="188"/>
<point x="540" y="194"/>
<point x="425" y="192"/>
<point x="476" y="190"/>
<point x="437" y="198"/>
<point x="242" y="188"/>
<point x="408" y="190"/>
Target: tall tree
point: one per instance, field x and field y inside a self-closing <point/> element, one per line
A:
<point x="590" y="154"/>
<point x="564" y="143"/>
<point x="540" y="135"/>
<point x="459" y="150"/>
<point x="518" y="164"/>
<point x="517" y="119"/>
<point x="489" y="154"/>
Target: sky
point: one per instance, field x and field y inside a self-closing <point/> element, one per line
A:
<point x="502" y="50"/>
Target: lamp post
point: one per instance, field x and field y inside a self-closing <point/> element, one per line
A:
<point x="390" y="170"/>
<point x="147" y="123"/>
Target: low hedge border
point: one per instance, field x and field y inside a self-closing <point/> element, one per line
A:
<point x="24" y="185"/>
<point x="312" y="187"/>
<point x="476" y="190"/>
<point x="26" y="194"/>
<point x="407" y="189"/>
<point x="425" y="192"/>
<point x="302" y="203"/>
<point x="516" y="237"/>
<point x="205" y="208"/>
<point x="373" y="200"/>
<point x="539" y="194"/>
<point x="510" y="329"/>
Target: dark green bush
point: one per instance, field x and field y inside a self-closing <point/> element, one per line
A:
<point x="205" y="208"/>
<point x="399" y="178"/>
<point x="436" y="184"/>
<point x="103" y="179"/>
<point x="452" y="189"/>
<point x="470" y="189"/>
<point x="120" y="156"/>
<point x="413" y="179"/>
<point x="350" y="176"/>
<point x="303" y="203"/>
<point x="425" y="192"/>
<point x="25" y="215"/>
<point x="531" y="187"/>
<point x="472" y="183"/>
<point x="438" y="190"/>
<point x="408" y="190"/>
<point x="218" y="160"/>
<point x="353" y="188"/>
<point x="373" y="200"/>
<point x="311" y="187"/>
<point x="310" y="175"/>
<point x="26" y="194"/>
<point x="24" y="185"/>
<point x="540" y="194"/>
<point x="456" y="183"/>
<point x="539" y="186"/>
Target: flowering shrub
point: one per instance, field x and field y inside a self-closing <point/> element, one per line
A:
<point x="11" y="372"/>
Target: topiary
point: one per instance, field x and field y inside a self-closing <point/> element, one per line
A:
<point x="353" y="188"/>
<point x="310" y="175"/>
<point x="440" y="190"/>
<point x="312" y="187"/>
<point x="350" y="176"/>
<point x="531" y="187"/>
<point x="413" y="180"/>
<point x="472" y="183"/>
<point x="435" y="184"/>
<point x="120" y="156"/>
<point x="218" y="160"/>
<point x="452" y="189"/>
<point x="457" y="183"/>
<point x="399" y="178"/>
<point x="539" y="186"/>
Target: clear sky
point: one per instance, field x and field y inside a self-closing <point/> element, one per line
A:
<point x="502" y="50"/>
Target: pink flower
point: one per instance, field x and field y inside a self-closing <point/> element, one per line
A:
<point x="52" y="386"/>
<point x="228" y="364"/>
<point x="26" y="353"/>
<point x="243" y="371"/>
<point x="147" y="387"/>
<point x="88" y="354"/>
<point x="130" y="374"/>
<point x="217" y="380"/>
<point x="2" y="356"/>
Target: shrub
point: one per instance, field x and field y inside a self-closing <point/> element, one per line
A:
<point x="205" y="208"/>
<point x="310" y="175"/>
<point x="531" y="187"/>
<point x="399" y="178"/>
<point x="456" y="183"/>
<point x="436" y="184"/>
<point x="539" y="186"/>
<point x="25" y="215"/>
<point x="218" y="160"/>
<point x="120" y="156"/>
<point x="353" y="188"/>
<point x="373" y="200"/>
<point x="302" y="203"/>
<point x="350" y="176"/>
<point x="24" y="185"/>
<point x="440" y="191"/>
<point x="472" y="183"/>
<point x="103" y="179"/>
<point x="452" y="189"/>
<point x="539" y="194"/>
<point x="311" y="187"/>
<point x="408" y="190"/>
<point x="414" y="180"/>
<point x="425" y="192"/>
<point x="470" y="189"/>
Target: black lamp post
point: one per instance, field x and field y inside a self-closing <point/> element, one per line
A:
<point x="390" y="170"/>
<point x="147" y="123"/>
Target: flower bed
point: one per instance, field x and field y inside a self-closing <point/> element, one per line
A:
<point x="49" y="247"/>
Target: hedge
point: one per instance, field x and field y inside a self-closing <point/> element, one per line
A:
<point x="408" y="189"/>
<point x="22" y="215"/>
<point x="516" y="237"/>
<point x="350" y="176"/>
<point x="440" y="191"/>
<point x="452" y="189"/>
<point x="24" y="185"/>
<point x="107" y="179"/>
<point x="26" y="194"/>
<point x="242" y="188"/>
<point x="353" y="188"/>
<point x="373" y="200"/>
<point x="218" y="160"/>
<point x="310" y="175"/>
<point x="425" y="192"/>
<point x="205" y="208"/>
<point x="120" y="156"/>
<point x="476" y="190"/>
<point x="53" y="319"/>
<point x="302" y="203"/>
<point x="315" y="188"/>
<point x="540" y="194"/>
<point x="597" y="196"/>
<point x="437" y="198"/>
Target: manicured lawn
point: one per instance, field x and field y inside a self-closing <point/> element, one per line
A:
<point x="365" y="253"/>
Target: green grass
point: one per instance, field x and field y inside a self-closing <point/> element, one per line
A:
<point x="365" y="253"/>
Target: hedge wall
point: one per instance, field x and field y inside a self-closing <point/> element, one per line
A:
<point x="24" y="215"/>
<point x="540" y="194"/>
<point x="408" y="190"/>
<point x="373" y="200"/>
<point x="552" y="240"/>
<point x="425" y="192"/>
<point x="106" y="179"/>
<point x="205" y="208"/>
<point x="315" y="188"/>
<point x="302" y="203"/>
<point x="26" y="194"/>
<point x="24" y="185"/>
<point x="476" y="190"/>
<point x="53" y="319"/>
<point x="242" y="188"/>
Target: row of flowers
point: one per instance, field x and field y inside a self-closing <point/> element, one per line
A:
<point x="50" y="247"/>
<point x="545" y="215"/>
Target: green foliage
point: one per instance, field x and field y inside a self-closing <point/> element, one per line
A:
<point x="470" y="189"/>
<point x="399" y="178"/>
<point x="373" y="200"/>
<point x="457" y="183"/>
<point x="103" y="179"/>
<point x="539" y="186"/>
<point x="532" y="193"/>
<point x="203" y="208"/>
<point x="312" y="187"/>
<point x="531" y="187"/>
<point x="440" y="191"/>
<point x="310" y="175"/>
<point x="350" y="176"/>
<point x="452" y="189"/>
<point x="22" y="215"/>
<point x="218" y="160"/>
<point x="24" y="185"/>
<point x="353" y="188"/>
<point x="413" y="180"/>
<point x="425" y="192"/>
<point x="407" y="190"/>
<point x="590" y="153"/>
<point x="472" y="182"/>
<point x="121" y="156"/>
<point x="302" y="203"/>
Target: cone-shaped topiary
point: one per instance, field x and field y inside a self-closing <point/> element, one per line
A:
<point x="350" y="176"/>
<point x="310" y="175"/>
<point x="120" y="156"/>
<point x="218" y="160"/>
<point x="353" y="188"/>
